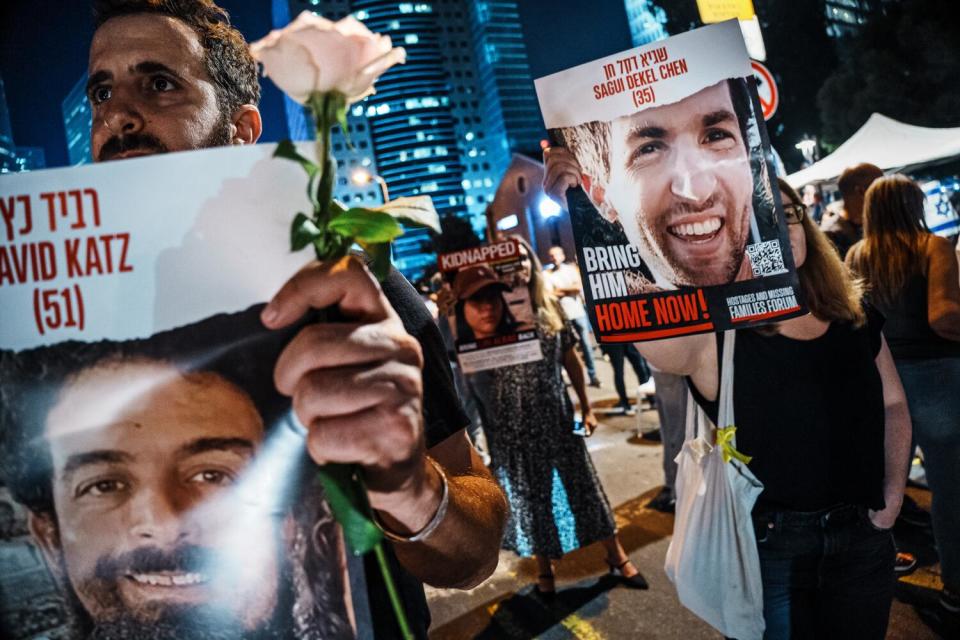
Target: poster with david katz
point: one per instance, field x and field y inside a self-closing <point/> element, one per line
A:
<point x="152" y="482"/>
<point x="678" y="223"/>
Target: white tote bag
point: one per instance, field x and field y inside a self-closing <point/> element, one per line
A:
<point x="713" y="558"/>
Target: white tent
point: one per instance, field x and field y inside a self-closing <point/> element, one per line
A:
<point x="887" y="143"/>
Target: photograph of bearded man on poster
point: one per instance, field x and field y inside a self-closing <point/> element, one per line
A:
<point x="685" y="183"/>
<point x="164" y="491"/>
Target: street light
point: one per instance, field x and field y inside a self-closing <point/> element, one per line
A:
<point x="548" y="207"/>
<point x="361" y="177"/>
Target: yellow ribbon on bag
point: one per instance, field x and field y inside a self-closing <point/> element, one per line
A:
<point x="725" y="442"/>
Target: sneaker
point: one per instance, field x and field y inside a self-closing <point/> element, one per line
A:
<point x="950" y="600"/>
<point x="663" y="502"/>
<point x="595" y="382"/>
<point x="623" y="410"/>
<point x="905" y="564"/>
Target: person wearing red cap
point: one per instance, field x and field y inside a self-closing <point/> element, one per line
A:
<point x="556" y="501"/>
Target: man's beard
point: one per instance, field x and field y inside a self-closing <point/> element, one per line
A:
<point x="733" y="252"/>
<point x="185" y="625"/>
<point x="118" y="620"/>
<point x="218" y="137"/>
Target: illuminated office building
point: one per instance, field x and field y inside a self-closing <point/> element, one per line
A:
<point x="13" y="158"/>
<point x="444" y="123"/>
<point x="647" y="21"/>
<point x="8" y="151"/>
<point x="77" y="120"/>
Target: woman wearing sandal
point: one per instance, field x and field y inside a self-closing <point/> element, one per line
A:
<point x="556" y="501"/>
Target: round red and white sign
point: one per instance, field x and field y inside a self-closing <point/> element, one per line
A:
<point x="766" y="89"/>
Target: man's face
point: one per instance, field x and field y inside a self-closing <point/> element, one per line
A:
<point x="142" y="457"/>
<point x="681" y="185"/>
<point x="150" y="90"/>
<point x="557" y="256"/>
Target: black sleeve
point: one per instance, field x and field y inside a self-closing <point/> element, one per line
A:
<point x="874" y="327"/>
<point x="442" y="413"/>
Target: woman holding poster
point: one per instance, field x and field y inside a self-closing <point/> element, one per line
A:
<point x="821" y="411"/>
<point x="556" y="501"/>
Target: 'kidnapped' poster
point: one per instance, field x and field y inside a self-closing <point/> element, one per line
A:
<point x="678" y="224"/>
<point x="490" y="313"/>
<point x="154" y="485"/>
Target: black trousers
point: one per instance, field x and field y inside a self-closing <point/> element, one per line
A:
<point x="617" y="353"/>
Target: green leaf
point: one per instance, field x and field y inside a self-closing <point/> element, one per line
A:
<point x="303" y="231"/>
<point x="366" y="226"/>
<point x="348" y="501"/>
<point x="288" y="150"/>
<point x="380" y="259"/>
<point x="416" y="210"/>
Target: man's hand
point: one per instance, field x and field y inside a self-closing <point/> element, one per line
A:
<point x="357" y="387"/>
<point x="562" y="172"/>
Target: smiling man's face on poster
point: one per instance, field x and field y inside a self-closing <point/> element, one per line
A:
<point x="681" y="187"/>
<point x="677" y="178"/>
<point x="144" y="459"/>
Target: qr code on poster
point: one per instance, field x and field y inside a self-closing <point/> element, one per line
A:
<point x="766" y="258"/>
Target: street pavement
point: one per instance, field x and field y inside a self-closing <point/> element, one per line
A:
<point x="591" y="605"/>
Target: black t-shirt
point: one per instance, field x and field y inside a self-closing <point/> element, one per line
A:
<point x="811" y="414"/>
<point x="443" y="416"/>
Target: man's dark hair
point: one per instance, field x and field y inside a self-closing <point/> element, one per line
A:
<point x="234" y="347"/>
<point x="228" y="60"/>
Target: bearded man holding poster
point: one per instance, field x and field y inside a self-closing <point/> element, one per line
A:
<point x="175" y="76"/>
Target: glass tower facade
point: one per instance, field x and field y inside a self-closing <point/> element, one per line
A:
<point x="509" y="104"/>
<point x="8" y="153"/>
<point x="77" y="120"/>
<point x="444" y="123"/>
<point x="13" y="158"/>
<point x="647" y="21"/>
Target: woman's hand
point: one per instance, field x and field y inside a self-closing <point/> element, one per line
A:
<point x="884" y="519"/>
<point x="589" y="423"/>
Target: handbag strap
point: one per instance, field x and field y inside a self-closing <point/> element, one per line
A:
<point x="725" y="415"/>
<point x="726" y="438"/>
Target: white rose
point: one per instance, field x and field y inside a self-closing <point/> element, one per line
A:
<point x="315" y="54"/>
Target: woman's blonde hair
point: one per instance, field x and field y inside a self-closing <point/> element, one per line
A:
<point x="830" y="291"/>
<point x="550" y="315"/>
<point x="894" y="233"/>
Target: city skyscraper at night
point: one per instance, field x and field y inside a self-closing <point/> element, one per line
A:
<point x="444" y="123"/>
<point x="8" y="151"/>
<point x="77" y="121"/>
<point x="647" y="21"/>
<point x="12" y="157"/>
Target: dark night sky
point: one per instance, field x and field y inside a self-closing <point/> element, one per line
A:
<point x="43" y="52"/>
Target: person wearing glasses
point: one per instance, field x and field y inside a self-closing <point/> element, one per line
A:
<point x="821" y="410"/>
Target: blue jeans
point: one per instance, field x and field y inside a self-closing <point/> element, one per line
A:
<point x="825" y="574"/>
<point x="933" y="393"/>
<point x="617" y="352"/>
<point x="582" y="325"/>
